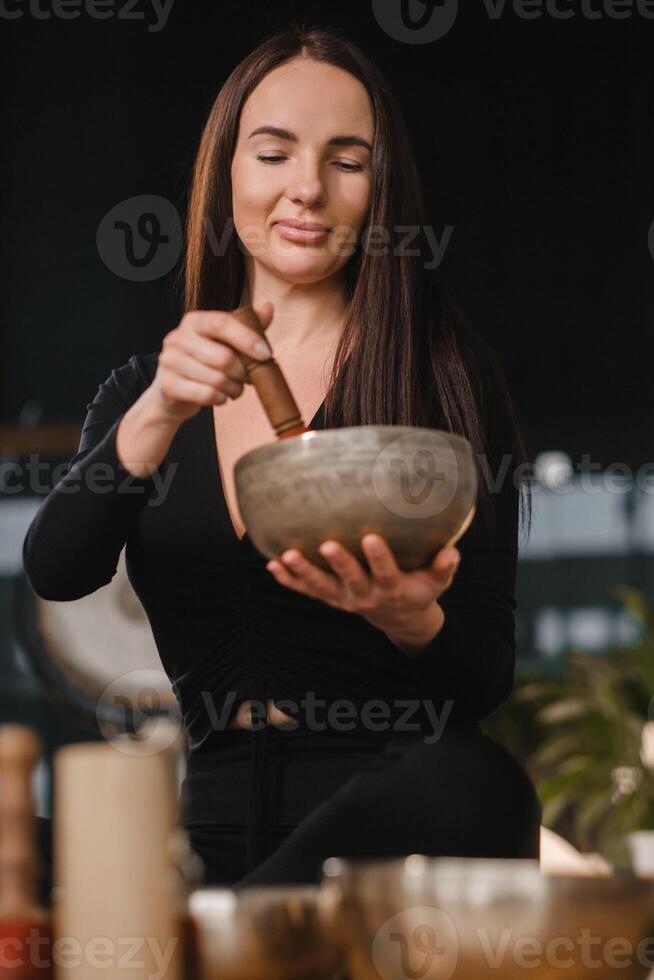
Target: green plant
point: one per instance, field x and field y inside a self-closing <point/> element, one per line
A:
<point x="585" y="745"/>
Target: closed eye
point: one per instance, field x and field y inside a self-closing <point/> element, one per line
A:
<point x="348" y="167"/>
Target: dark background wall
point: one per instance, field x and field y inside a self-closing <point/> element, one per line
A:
<point x="534" y="138"/>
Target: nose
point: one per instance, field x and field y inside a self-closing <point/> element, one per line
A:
<point x="306" y="187"/>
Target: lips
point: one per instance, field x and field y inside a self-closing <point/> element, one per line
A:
<point x="302" y="225"/>
<point x="302" y="232"/>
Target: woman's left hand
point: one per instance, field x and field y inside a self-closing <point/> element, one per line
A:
<point x="390" y="599"/>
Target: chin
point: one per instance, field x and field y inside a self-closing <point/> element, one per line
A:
<point x="304" y="270"/>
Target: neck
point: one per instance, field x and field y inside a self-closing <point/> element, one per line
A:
<point x="306" y="316"/>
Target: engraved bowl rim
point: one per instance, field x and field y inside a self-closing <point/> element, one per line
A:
<point x="282" y="447"/>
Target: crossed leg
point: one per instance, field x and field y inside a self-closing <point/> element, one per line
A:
<point x="463" y="795"/>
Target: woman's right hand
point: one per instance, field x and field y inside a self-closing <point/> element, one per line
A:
<point x="199" y="363"/>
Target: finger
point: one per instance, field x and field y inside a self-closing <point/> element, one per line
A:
<point x="285" y="577"/>
<point x="381" y="560"/>
<point x="181" y="389"/>
<point x="214" y="354"/>
<point x="189" y="367"/>
<point x="322" y="585"/>
<point x="296" y="582"/>
<point x="347" y="568"/>
<point x="226" y="327"/>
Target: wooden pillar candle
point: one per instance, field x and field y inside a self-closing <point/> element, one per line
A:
<point x="116" y="897"/>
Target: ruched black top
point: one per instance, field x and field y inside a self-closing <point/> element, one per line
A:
<point x="225" y="629"/>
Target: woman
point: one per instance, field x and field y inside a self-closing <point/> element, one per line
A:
<point x="265" y="657"/>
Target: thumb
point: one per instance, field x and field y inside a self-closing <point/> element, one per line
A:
<point x="446" y="561"/>
<point x="443" y="567"/>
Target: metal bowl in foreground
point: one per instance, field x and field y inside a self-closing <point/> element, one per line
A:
<point x="417" y="487"/>
<point x="442" y="918"/>
<point x="271" y="933"/>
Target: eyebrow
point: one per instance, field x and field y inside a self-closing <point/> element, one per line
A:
<point x="285" y="134"/>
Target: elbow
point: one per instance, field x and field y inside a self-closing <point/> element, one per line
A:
<point x="50" y="580"/>
<point x="57" y="591"/>
<point x="59" y="588"/>
<point x="483" y="686"/>
<point x="42" y="584"/>
<point x="496" y="688"/>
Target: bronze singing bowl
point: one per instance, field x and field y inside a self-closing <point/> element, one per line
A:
<point x="269" y="933"/>
<point x="466" y="919"/>
<point x="417" y="487"/>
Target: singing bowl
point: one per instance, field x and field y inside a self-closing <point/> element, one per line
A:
<point x="417" y="487"/>
<point x="456" y="918"/>
<point x="268" y="933"/>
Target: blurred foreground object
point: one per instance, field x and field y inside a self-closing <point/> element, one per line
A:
<point x="118" y="895"/>
<point x="25" y="926"/>
<point x="266" y="933"/>
<point x="484" y="917"/>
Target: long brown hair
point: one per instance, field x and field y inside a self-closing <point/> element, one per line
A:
<point x="405" y="355"/>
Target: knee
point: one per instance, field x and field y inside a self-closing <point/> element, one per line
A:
<point x="486" y="778"/>
<point x="514" y="803"/>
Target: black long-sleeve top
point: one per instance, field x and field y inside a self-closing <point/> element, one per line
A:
<point x="223" y="626"/>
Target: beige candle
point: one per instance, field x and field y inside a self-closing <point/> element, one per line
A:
<point x="116" y="894"/>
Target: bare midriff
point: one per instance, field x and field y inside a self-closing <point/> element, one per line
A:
<point x="243" y="717"/>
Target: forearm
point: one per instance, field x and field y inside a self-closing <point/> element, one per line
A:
<point x="471" y="659"/>
<point x="144" y="435"/>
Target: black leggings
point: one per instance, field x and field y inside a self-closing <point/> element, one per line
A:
<point x="462" y="794"/>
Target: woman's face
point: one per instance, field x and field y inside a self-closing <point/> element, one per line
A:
<point x="307" y="179"/>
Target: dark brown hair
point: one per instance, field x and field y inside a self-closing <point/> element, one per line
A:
<point x="405" y="356"/>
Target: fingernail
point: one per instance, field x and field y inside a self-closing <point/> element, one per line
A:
<point x="261" y="347"/>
